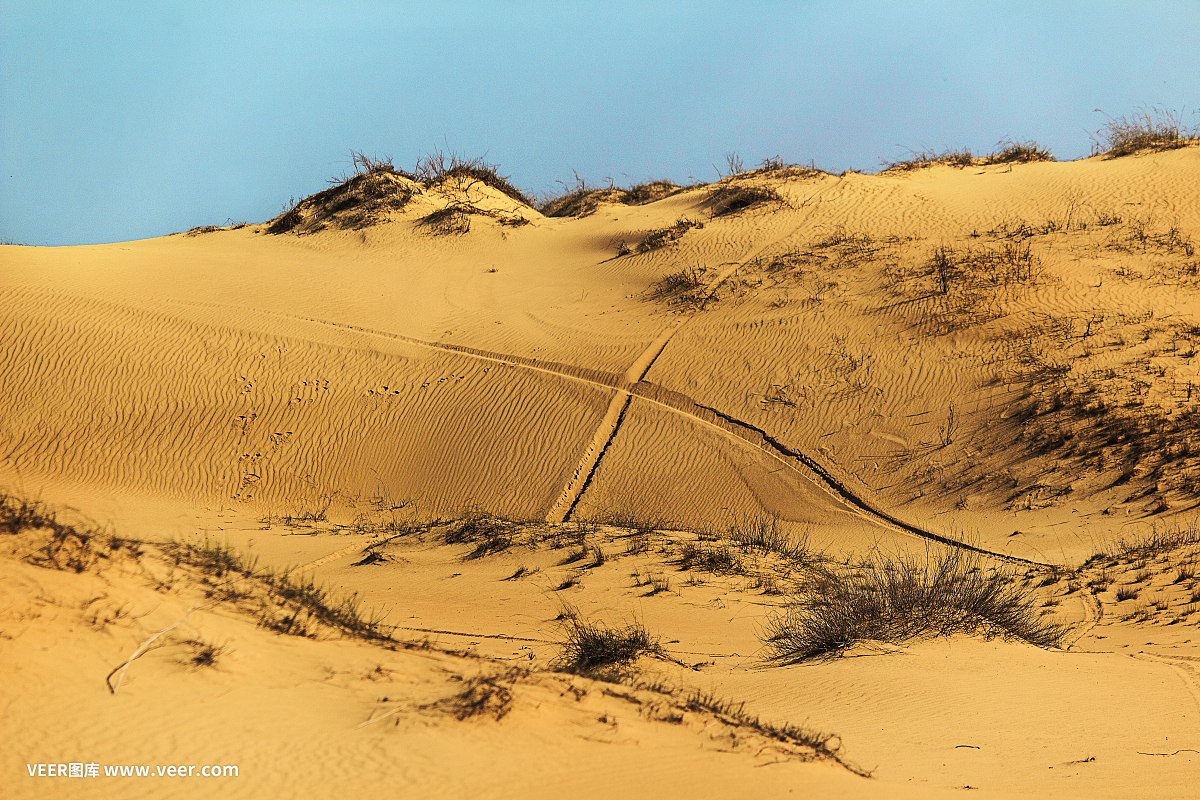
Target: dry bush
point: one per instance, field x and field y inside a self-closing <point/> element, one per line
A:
<point x="582" y="200"/>
<point x="363" y="200"/>
<point x="1018" y="152"/>
<point x="454" y="219"/>
<point x="204" y="654"/>
<point x="954" y="158"/>
<point x="710" y="558"/>
<point x="439" y="167"/>
<point x="662" y="237"/>
<point x="902" y="599"/>
<point x="731" y="198"/>
<point x="482" y="695"/>
<point x="598" y="651"/>
<point x="678" y="288"/>
<point x="1149" y="129"/>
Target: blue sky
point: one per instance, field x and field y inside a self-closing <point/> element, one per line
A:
<point x="122" y="121"/>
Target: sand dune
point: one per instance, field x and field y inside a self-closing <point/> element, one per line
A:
<point x="995" y="356"/>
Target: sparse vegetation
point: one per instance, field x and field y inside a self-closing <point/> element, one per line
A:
<point x="727" y="198"/>
<point x="824" y="744"/>
<point x="376" y="188"/>
<point x="679" y="288"/>
<point x="439" y="167"/>
<point x="1018" y="152"/>
<point x="204" y="654"/>
<point x="453" y="219"/>
<point x="521" y="572"/>
<point x="284" y="604"/>
<point x="489" y="534"/>
<point x="902" y="599"/>
<point x="598" y="651"/>
<point x="366" y="197"/>
<point x="1127" y="593"/>
<point x="583" y="200"/>
<point x="710" y="558"/>
<point x="488" y="694"/>
<point x="1149" y="129"/>
<point x="953" y="158"/>
<point x="1161" y="539"/>
<point x="970" y="283"/>
<point x="569" y="581"/>
<point x="661" y="237"/>
<point x="763" y="534"/>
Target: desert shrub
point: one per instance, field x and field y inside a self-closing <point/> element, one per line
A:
<point x="489" y="534"/>
<point x="364" y="164"/>
<point x="763" y="534"/>
<point x="1019" y="152"/>
<point x="583" y="200"/>
<point x="661" y="237"/>
<point x="362" y="200"/>
<point x="731" y="198"/>
<point x="376" y="187"/>
<point x="595" y="650"/>
<point x="453" y="219"/>
<point x="776" y="167"/>
<point x="649" y="192"/>
<point x="953" y="158"/>
<point x="1127" y="593"/>
<point x="898" y="600"/>
<point x="439" y="167"/>
<point x="1150" y="129"/>
<point x="677" y="286"/>
<point x="707" y="557"/>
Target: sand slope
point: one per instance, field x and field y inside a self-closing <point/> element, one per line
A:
<point x="1001" y="356"/>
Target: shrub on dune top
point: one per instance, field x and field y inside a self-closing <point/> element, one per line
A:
<point x="1150" y="129"/>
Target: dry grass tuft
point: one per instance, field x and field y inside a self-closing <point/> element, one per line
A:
<point x="679" y="288"/>
<point x="731" y="198"/>
<point x="953" y="158"/>
<point x="662" y="237"/>
<point x="453" y="219"/>
<point x="584" y="200"/>
<point x="598" y="651"/>
<point x="439" y="167"/>
<point x="1149" y="129"/>
<point x="898" y="600"/>
<point x="1019" y="152"/>
<point x="482" y="695"/>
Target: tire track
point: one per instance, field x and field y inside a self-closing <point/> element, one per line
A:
<point x="1093" y="612"/>
<point x="629" y="385"/>
<point x="1178" y="666"/>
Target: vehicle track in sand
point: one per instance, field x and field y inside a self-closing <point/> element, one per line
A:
<point x="632" y="384"/>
